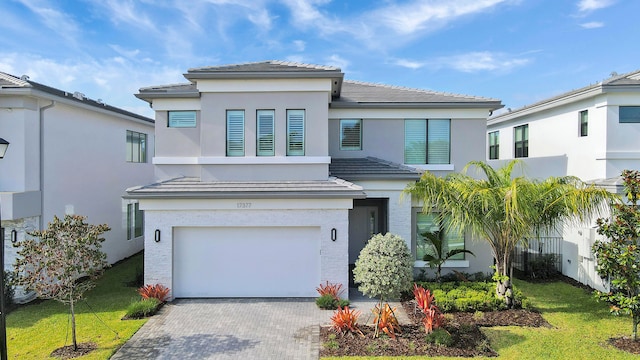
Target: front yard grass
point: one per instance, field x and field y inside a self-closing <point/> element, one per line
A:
<point x="35" y="330"/>
<point x="581" y="327"/>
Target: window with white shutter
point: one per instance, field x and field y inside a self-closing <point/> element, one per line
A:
<point x="351" y="134"/>
<point x="265" y="133"/>
<point x="427" y="141"/>
<point x="182" y="119"/>
<point x="235" y="132"/>
<point x="295" y="133"/>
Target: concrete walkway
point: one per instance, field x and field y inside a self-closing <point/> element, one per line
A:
<point x="237" y="329"/>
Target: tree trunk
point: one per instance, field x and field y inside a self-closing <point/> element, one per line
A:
<point x="73" y="327"/>
<point x="504" y="288"/>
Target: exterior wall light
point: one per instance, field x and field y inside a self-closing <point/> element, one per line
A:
<point x="14" y="236"/>
<point x="157" y="235"/>
<point x="4" y="145"/>
<point x="334" y="234"/>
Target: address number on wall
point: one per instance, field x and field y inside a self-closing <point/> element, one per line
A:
<point x="243" y="205"/>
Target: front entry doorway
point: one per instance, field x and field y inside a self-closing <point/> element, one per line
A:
<point x="367" y="218"/>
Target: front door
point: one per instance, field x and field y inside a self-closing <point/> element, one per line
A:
<point x="367" y="218"/>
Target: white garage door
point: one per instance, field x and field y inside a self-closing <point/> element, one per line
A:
<point x="246" y="262"/>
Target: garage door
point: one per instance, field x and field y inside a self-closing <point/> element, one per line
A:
<point x="246" y="262"/>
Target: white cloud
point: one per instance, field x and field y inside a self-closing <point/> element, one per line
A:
<point x="337" y="61"/>
<point x="592" y="25"/>
<point x="114" y="80"/>
<point x="590" y="5"/>
<point x="54" y="19"/>
<point x="409" y="64"/>
<point x="126" y="12"/>
<point x="480" y="61"/>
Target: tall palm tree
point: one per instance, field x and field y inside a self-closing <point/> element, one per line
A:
<point x="504" y="210"/>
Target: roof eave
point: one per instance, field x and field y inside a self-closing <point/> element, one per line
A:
<point x="263" y="74"/>
<point x="355" y="194"/>
<point x="360" y="177"/>
<point x="490" y="105"/>
<point x="167" y="95"/>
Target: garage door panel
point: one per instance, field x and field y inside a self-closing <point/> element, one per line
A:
<point x="246" y="262"/>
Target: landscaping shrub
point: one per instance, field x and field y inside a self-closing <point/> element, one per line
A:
<point x="156" y="291"/>
<point x="439" y="337"/>
<point x="384" y="267"/>
<point x="330" y="289"/>
<point x="142" y="308"/>
<point x="328" y="302"/>
<point x="386" y="320"/>
<point x="470" y="296"/>
<point x="345" y="320"/>
<point x="9" y="291"/>
<point x="543" y="267"/>
<point x="433" y="318"/>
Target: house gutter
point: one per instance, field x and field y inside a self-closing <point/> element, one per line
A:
<point x="42" y="110"/>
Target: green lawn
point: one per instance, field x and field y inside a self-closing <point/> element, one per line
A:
<point x="35" y="330"/>
<point x="581" y="327"/>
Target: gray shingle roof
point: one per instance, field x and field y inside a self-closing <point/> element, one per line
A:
<point x="264" y="66"/>
<point x="8" y="81"/>
<point x="357" y="94"/>
<point x="194" y="188"/>
<point x="371" y="168"/>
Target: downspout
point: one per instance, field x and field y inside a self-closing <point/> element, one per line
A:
<point x="42" y="109"/>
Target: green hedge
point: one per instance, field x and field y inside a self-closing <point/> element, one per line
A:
<point x="470" y="296"/>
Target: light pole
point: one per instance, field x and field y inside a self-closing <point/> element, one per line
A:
<point x="4" y="145"/>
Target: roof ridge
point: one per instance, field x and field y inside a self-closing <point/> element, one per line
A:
<point x="273" y="62"/>
<point x="424" y="91"/>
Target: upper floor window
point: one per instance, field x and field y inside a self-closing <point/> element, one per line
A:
<point x="181" y="119"/>
<point x="295" y="132"/>
<point x="426" y="224"/>
<point x="427" y="141"/>
<point x="135" y="221"/>
<point x="584" y="122"/>
<point x="629" y="114"/>
<point x="265" y="126"/>
<point x="494" y="145"/>
<point x="136" y="147"/>
<point x="235" y="132"/>
<point x="521" y="135"/>
<point x="351" y="134"/>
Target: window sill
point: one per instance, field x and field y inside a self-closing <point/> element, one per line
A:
<point x="447" y="264"/>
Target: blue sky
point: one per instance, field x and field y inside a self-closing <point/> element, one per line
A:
<point x="519" y="51"/>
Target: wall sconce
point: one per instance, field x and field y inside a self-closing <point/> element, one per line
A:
<point x="157" y="235"/>
<point x="334" y="234"/>
<point x="14" y="236"/>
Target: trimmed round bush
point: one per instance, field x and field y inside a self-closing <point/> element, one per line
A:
<point x="384" y="268"/>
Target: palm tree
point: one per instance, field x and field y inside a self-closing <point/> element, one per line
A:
<point x="504" y="210"/>
<point x="439" y="255"/>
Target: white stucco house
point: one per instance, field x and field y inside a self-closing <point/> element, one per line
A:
<point x="69" y="154"/>
<point x="591" y="133"/>
<point x="271" y="176"/>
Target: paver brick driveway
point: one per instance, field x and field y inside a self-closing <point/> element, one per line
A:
<point x="230" y="329"/>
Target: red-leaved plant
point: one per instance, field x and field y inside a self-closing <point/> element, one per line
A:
<point x="386" y="320"/>
<point x="157" y="291"/>
<point x="331" y="289"/>
<point x="345" y="321"/>
<point x="433" y="318"/>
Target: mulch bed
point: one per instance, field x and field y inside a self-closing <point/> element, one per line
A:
<point x="626" y="343"/>
<point x="468" y="340"/>
<point x="67" y="352"/>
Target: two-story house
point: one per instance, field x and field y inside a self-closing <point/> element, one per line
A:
<point x="591" y="133"/>
<point x="69" y="154"/>
<point x="271" y="176"/>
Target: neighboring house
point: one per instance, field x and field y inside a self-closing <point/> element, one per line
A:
<point x="591" y="133"/>
<point x="70" y="155"/>
<point x="272" y="176"/>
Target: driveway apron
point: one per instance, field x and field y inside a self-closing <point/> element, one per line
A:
<point x="230" y="329"/>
